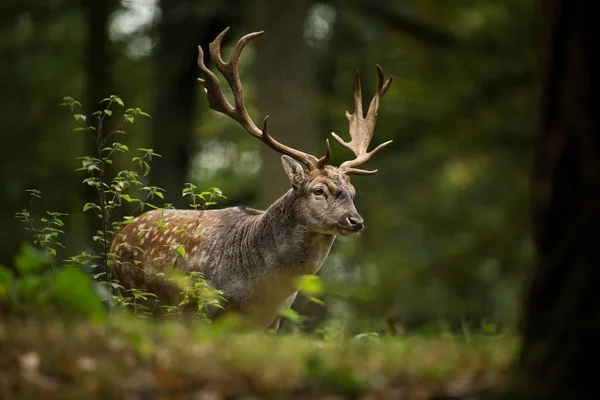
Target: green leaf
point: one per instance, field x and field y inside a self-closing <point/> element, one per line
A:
<point x="161" y="224"/>
<point x="6" y="281"/>
<point x="30" y="260"/>
<point x="181" y="250"/>
<point x="89" y="206"/>
<point x="317" y="301"/>
<point x="108" y="112"/>
<point x="310" y="285"/>
<point x="34" y="193"/>
<point x="73" y="292"/>
<point x="126" y="197"/>
<point x="292" y="316"/>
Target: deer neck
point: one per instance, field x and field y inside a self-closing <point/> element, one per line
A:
<point x="286" y="243"/>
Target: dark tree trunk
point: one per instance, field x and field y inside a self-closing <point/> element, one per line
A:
<point x="284" y="86"/>
<point x="97" y="53"/>
<point x="561" y="325"/>
<point x="184" y="25"/>
<point x="99" y="84"/>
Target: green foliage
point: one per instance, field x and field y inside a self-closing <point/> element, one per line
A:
<point x="68" y="288"/>
<point x="51" y="224"/>
<point x="198" y="293"/>
<point x="311" y="286"/>
<point x="293" y="317"/>
<point x="202" y="199"/>
<point x="111" y="191"/>
<point x="37" y="290"/>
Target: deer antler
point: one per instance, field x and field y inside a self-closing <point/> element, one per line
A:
<point x="218" y="102"/>
<point x="361" y="128"/>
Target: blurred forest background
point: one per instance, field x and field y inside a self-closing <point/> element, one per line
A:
<point x="448" y="231"/>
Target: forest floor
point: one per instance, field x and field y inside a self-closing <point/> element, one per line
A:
<point x="130" y="358"/>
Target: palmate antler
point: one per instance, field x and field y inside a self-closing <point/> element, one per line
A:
<point x="362" y="128"/>
<point x="218" y="102"/>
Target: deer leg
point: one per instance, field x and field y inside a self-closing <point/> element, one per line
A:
<point x="276" y="324"/>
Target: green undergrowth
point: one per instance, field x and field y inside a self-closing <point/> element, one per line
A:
<point x="133" y="358"/>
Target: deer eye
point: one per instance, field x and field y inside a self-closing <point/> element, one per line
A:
<point x="318" y="191"/>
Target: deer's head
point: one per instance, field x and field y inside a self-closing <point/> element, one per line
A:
<point x="324" y="194"/>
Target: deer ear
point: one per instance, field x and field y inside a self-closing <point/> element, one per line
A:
<point x="294" y="171"/>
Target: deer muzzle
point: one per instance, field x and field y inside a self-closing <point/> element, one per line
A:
<point x="353" y="222"/>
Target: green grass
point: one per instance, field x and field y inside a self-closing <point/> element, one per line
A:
<point x="132" y="358"/>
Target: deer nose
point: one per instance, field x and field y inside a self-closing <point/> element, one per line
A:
<point x="356" y="222"/>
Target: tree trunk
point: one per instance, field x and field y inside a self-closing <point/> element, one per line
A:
<point x="284" y="84"/>
<point x="561" y="324"/>
<point x="99" y="86"/>
<point x="184" y="26"/>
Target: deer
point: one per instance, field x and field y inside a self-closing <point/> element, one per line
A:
<point x="254" y="257"/>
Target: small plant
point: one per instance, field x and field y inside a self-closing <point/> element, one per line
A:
<point x="333" y="330"/>
<point x="36" y="289"/>
<point x="127" y="186"/>
<point x="45" y="235"/>
<point x="202" y="200"/>
<point x="112" y="193"/>
<point x="199" y="294"/>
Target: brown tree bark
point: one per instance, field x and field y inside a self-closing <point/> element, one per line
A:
<point x="561" y="326"/>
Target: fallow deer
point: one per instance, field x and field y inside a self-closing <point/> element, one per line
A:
<point x="254" y="256"/>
